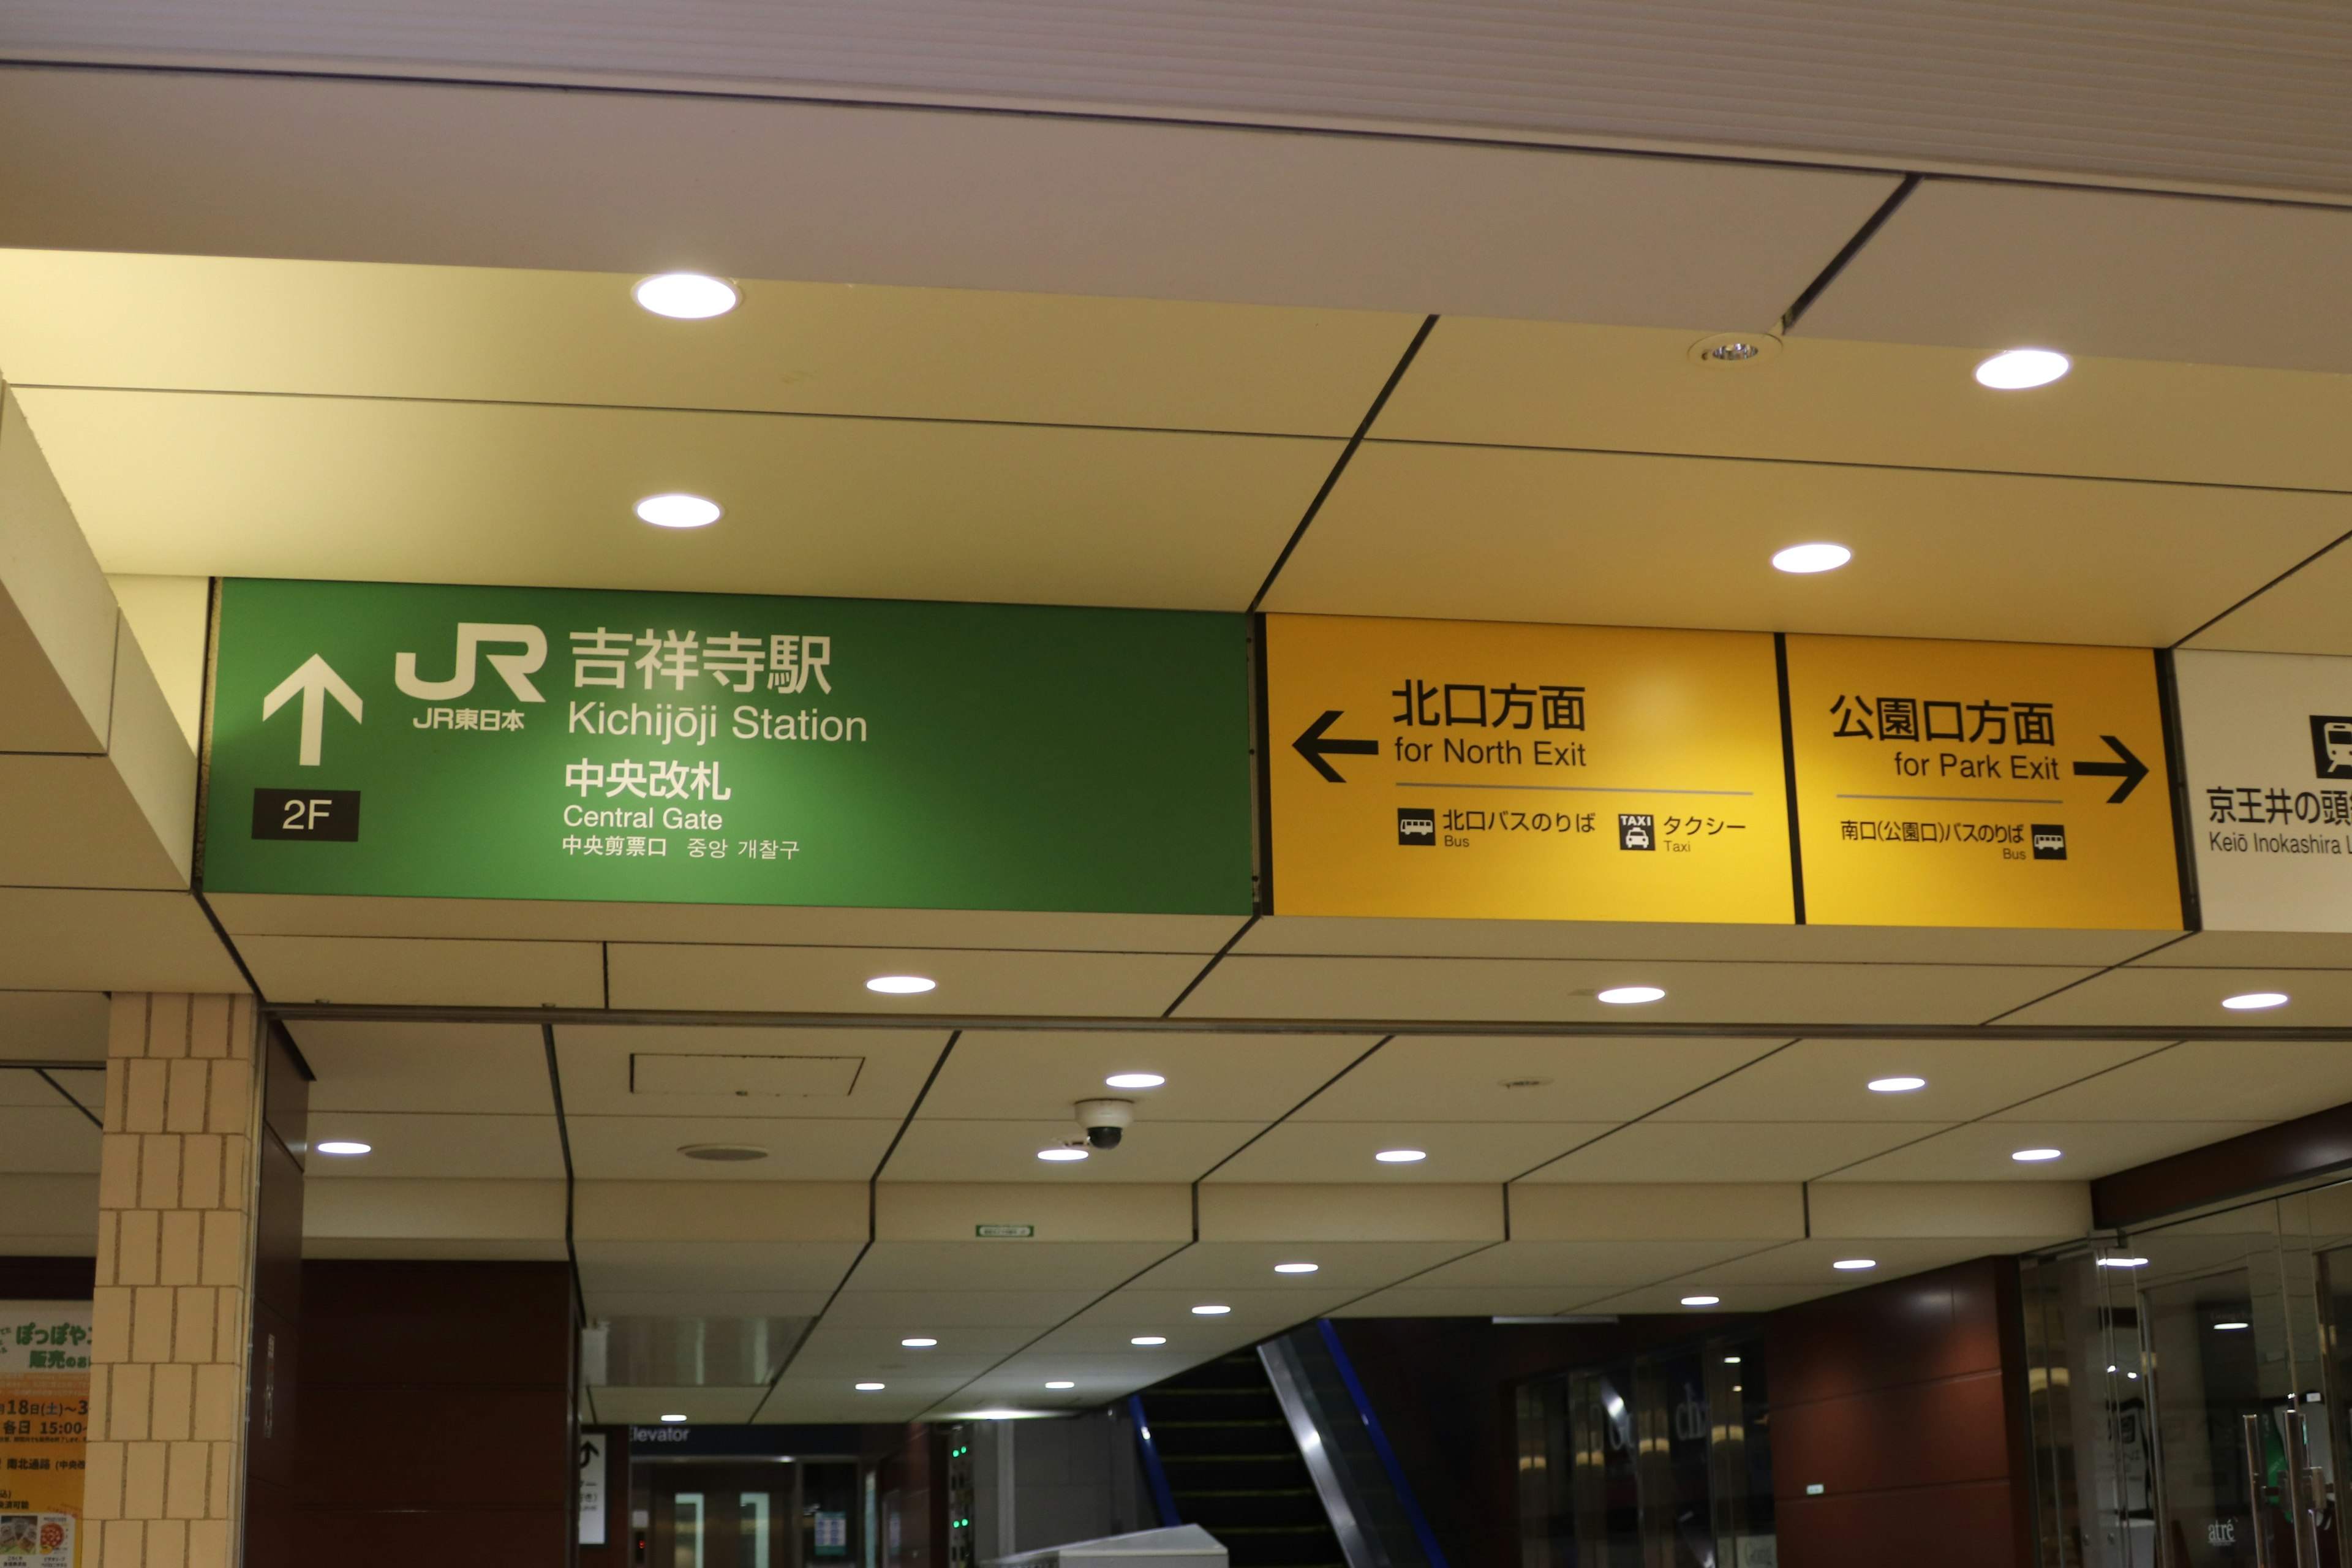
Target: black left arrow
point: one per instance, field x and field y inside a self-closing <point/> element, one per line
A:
<point x="2131" y="770"/>
<point x="1315" y="748"/>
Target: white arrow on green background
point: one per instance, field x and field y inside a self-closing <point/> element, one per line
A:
<point x="314" y="679"/>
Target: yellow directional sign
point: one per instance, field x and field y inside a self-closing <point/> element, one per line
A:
<point x="1981" y="785"/>
<point x="1476" y="770"/>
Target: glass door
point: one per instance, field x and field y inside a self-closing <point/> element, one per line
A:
<point x="719" y="1514"/>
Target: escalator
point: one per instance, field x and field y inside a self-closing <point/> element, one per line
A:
<point x="1232" y="1466"/>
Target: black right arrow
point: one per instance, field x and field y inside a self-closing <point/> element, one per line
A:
<point x="1315" y="748"/>
<point x="2131" y="770"/>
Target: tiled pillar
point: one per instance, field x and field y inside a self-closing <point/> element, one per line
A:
<point x="175" y="1257"/>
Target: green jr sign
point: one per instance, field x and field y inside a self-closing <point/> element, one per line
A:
<point x="422" y="741"/>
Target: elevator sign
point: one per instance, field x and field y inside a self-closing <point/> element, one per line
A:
<point x="2001" y="784"/>
<point x="2267" y="740"/>
<point x="426" y="741"/>
<point x="1480" y="770"/>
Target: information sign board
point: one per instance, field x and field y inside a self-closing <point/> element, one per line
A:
<point x="45" y="1394"/>
<point x="2266" y="741"/>
<point x="432" y="740"/>
<point x="1993" y="784"/>
<point x="1483" y="769"/>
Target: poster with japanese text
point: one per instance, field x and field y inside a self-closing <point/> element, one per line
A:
<point x="44" y="1420"/>
<point x="1485" y="769"/>
<point x="1990" y="784"/>
<point x="2266" y="741"/>
<point x="430" y="740"/>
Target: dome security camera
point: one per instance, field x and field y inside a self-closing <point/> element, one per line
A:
<point x="1104" y="1120"/>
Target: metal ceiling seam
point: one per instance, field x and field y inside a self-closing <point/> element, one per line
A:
<point x="2099" y="973"/>
<point x="1662" y="1105"/>
<point x="1238" y="1149"/>
<point x="1215" y="959"/>
<point x="64" y="1094"/>
<point x="1499" y="1029"/>
<point x="1846" y="253"/>
<point x="2309" y="559"/>
<point x="571" y="1178"/>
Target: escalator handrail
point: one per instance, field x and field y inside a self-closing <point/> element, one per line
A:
<point x="1405" y="1497"/>
<point x="1154" y="1472"/>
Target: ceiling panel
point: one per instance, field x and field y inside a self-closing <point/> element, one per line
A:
<point x="2171" y="998"/>
<point x="1827" y="1080"/>
<point x="645" y="1147"/>
<point x="1729" y="1150"/>
<point x="939" y="1149"/>
<point x="889" y="1072"/>
<point x="481" y="1067"/>
<point x="1470" y="1078"/>
<point x="2254" y="950"/>
<point x="789" y="1269"/>
<point x="165" y="483"/>
<point x="1540" y="990"/>
<point x="1458" y="1150"/>
<point x="832" y="980"/>
<point x="848" y="1334"/>
<point x="1345" y="1266"/>
<point x="1627" y="389"/>
<point x="360" y="330"/>
<point x="1626" y="539"/>
<point x="437" y="1145"/>
<point x="2303" y="613"/>
<point x="1458" y="1301"/>
<point x="426" y="971"/>
<point x="935" y="1311"/>
<point x="956" y="1268"/>
<point x="44" y="1137"/>
<point x="830" y="1398"/>
<point x="22" y="1086"/>
<point x="1987" y="265"/>
<point x="1566" y="1266"/>
<point x="691" y="1301"/>
<point x="1979" y="1151"/>
<point x="2255" y="1081"/>
<point x="647" y="1406"/>
<point x="90" y="939"/>
<point x="1810" y="1264"/>
<point x="49" y="1026"/>
<point x="1143" y="1310"/>
<point x="1022" y="1075"/>
<point x="1617" y="941"/>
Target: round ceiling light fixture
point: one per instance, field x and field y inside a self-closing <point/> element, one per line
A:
<point x="1702" y="1300"/>
<point x="2232" y="1326"/>
<point x="1062" y="1383"/>
<point x="1149" y="1339"/>
<point x="2254" y="1000"/>
<point x="1903" y="1085"/>
<point x="1729" y="351"/>
<point x="1402" y="1156"/>
<point x="723" y="1153"/>
<point x="686" y="296"/>
<point x="1855" y="1265"/>
<point x="2018" y="370"/>
<point x="1632" y="995"/>
<point x="1802" y="560"/>
<point x="2122" y="1263"/>
<point x="1297" y="1268"/>
<point x="918" y="1344"/>
<point x="1061" y="1155"/>
<point x="343" y="1147"/>
<point x="676" y="508"/>
<point x="1134" y="1080"/>
<point x="673" y="1417"/>
<point x="902" y="985"/>
<point x="871" y="1387"/>
<point x="2035" y="1156"/>
<point x="1210" y="1311"/>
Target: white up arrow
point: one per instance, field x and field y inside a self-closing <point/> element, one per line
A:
<point x="314" y="679"/>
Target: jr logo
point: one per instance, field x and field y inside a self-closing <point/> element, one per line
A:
<point x="514" y="668"/>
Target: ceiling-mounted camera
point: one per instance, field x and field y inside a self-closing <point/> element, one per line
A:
<point x="1104" y="1120"/>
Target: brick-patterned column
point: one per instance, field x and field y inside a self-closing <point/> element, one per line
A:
<point x="171" y="1320"/>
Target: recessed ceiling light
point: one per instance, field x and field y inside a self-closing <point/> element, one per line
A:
<point x="678" y="509"/>
<point x="2123" y="1263"/>
<point x="1731" y="1361"/>
<point x="2254" y="1000"/>
<point x="1702" y="1300"/>
<point x="2228" y="1327"/>
<point x="673" y="1417"/>
<point x="1210" y="1311"/>
<point x="1401" y="1156"/>
<point x="1852" y="1265"/>
<point x="2015" y="370"/>
<point x="1149" y="1339"/>
<point x="345" y="1146"/>
<point x="2032" y="1156"/>
<point x="1800" y="560"/>
<point x="918" y="1344"/>
<point x="1134" y="1080"/>
<point x="871" y="1387"/>
<point x="1297" y="1268"/>
<point x="1722" y="351"/>
<point x="1061" y="1383"/>
<point x="1896" y="1085"/>
<point x="902" y="985"/>
<point x="1632" y="995"/>
<point x="686" y="296"/>
<point x="1060" y="1155"/>
<point x="723" y="1153"/>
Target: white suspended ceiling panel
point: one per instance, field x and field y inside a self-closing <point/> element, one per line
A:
<point x="408" y="171"/>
